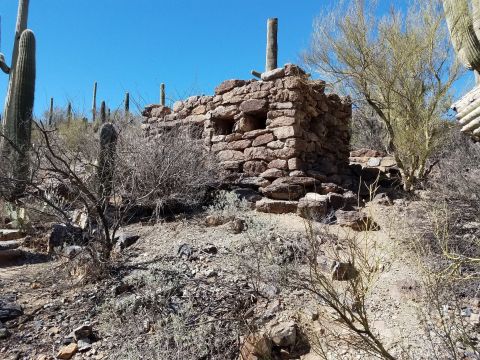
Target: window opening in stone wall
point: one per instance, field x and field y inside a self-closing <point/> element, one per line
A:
<point x="256" y="122"/>
<point x="223" y="126"/>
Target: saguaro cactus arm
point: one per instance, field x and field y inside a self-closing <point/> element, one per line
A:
<point x="462" y="31"/>
<point x="3" y="65"/>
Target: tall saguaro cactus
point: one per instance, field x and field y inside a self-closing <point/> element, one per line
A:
<point x="272" y="44"/>
<point x="127" y="103"/>
<point x="18" y="125"/>
<point x="50" y="113"/>
<point x="464" y="27"/>
<point x="94" y="102"/>
<point x="21" y="26"/>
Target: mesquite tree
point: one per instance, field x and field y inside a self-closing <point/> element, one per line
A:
<point x="400" y="65"/>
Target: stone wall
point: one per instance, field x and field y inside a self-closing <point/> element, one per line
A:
<point x="281" y="128"/>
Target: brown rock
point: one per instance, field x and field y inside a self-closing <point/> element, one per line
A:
<point x="230" y="155"/>
<point x="367" y="153"/>
<point x="68" y="351"/>
<point x="313" y="206"/>
<point x="342" y="271"/>
<point x="285" y="132"/>
<point x="258" y="153"/>
<point x="295" y="164"/>
<point x="239" y="145"/>
<point x="281" y="121"/>
<point x="284" y="334"/>
<point x="263" y="139"/>
<point x="228" y="85"/>
<point x="327" y="188"/>
<point x="289" y="188"/>
<point x="256" y="347"/>
<point x="254" y="167"/>
<point x="273" y="74"/>
<point x="278" y="144"/>
<point x="278" y="164"/>
<point x="272" y="174"/>
<point x="255" y="133"/>
<point x="254" y="106"/>
<point x="276" y="206"/>
<point x="215" y="220"/>
<point x="356" y="220"/>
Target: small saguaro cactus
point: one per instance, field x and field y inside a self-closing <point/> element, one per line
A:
<point x="106" y="161"/>
<point x="50" y="113"/>
<point x="18" y="125"/>
<point x="69" y="112"/>
<point x="162" y="94"/>
<point x="272" y="44"/>
<point x="127" y="103"/>
<point x="94" y="102"/>
<point x="103" y="113"/>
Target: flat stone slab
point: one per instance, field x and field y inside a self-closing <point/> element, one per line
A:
<point x="10" y="245"/>
<point x="10" y="234"/>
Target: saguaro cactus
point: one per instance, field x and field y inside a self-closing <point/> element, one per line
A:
<point x="465" y="35"/>
<point x="18" y="125"/>
<point x="106" y="161"/>
<point x="50" y="113"/>
<point x="69" y="112"/>
<point x="21" y="26"/>
<point x="272" y="44"/>
<point x="103" y="113"/>
<point x="127" y="103"/>
<point x="162" y="94"/>
<point x="94" y="102"/>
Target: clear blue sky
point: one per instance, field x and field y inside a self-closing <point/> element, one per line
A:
<point x="126" y="45"/>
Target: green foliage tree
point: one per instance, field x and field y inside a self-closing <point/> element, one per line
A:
<point x="401" y="65"/>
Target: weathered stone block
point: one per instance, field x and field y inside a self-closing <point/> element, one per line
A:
<point x="263" y="139"/>
<point x="285" y="132"/>
<point x="255" y="133"/>
<point x="259" y="153"/>
<point x="278" y="144"/>
<point x="272" y="173"/>
<point x="228" y="85"/>
<point x="295" y="164"/>
<point x="230" y="155"/>
<point x="278" y="164"/>
<point x="276" y="206"/>
<point x="281" y="121"/>
<point x="273" y="74"/>
<point x="254" y="106"/>
<point x="254" y="168"/>
<point x="239" y="145"/>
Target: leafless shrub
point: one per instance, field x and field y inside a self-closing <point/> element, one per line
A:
<point x="180" y="316"/>
<point x="343" y="290"/>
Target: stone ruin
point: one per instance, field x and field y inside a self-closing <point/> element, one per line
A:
<point x="282" y="135"/>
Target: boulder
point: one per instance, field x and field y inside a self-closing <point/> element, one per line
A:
<point x="276" y="206"/>
<point x="342" y="202"/>
<point x="343" y="271"/>
<point x="249" y="195"/>
<point x="313" y="207"/>
<point x="62" y="234"/>
<point x="11" y="234"/>
<point x="9" y="311"/>
<point x="290" y="188"/>
<point x="125" y="240"/>
<point x="356" y="220"/>
<point x="256" y="347"/>
<point x="284" y="334"/>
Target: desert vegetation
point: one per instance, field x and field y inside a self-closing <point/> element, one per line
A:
<point x="331" y="215"/>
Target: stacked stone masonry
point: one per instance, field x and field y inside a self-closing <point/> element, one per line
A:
<point x="275" y="130"/>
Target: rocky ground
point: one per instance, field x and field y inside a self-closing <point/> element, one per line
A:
<point x="204" y="287"/>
